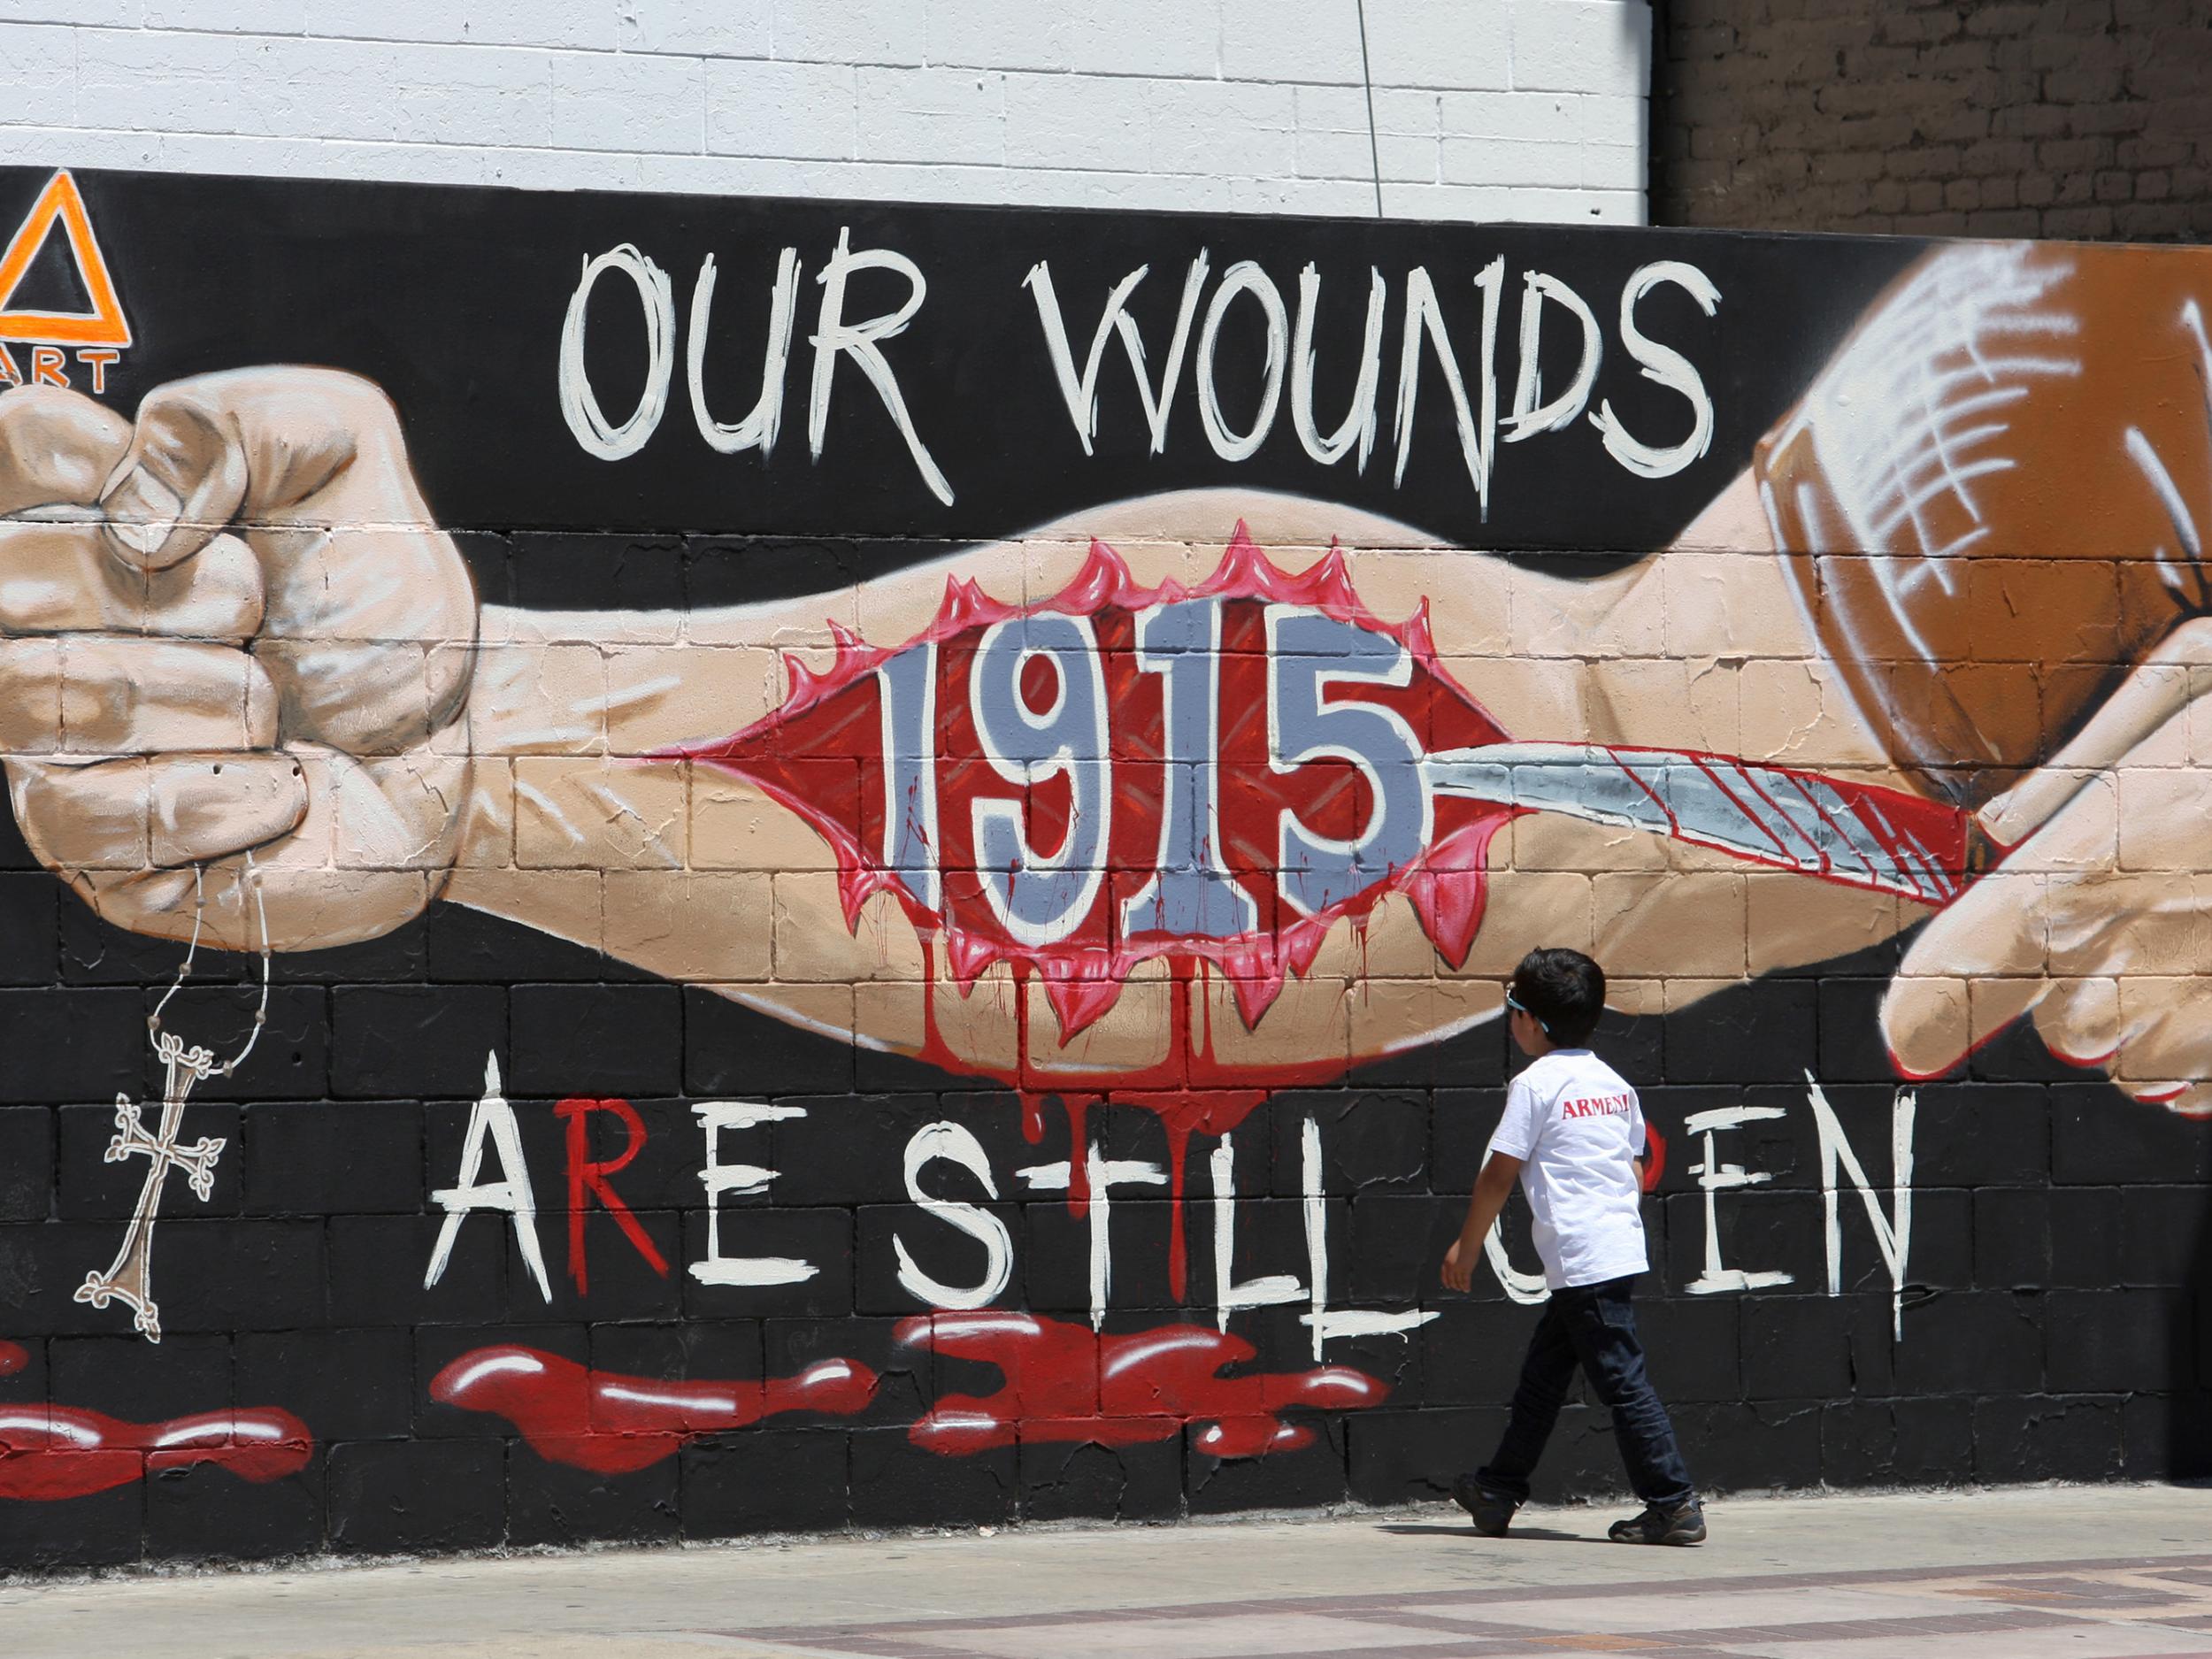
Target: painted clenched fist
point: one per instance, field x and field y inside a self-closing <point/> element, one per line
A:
<point x="232" y="630"/>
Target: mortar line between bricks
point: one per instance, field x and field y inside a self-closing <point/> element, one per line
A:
<point x="485" y="151"/>
<point x="1486" y="1596"/>
<point x="595" y="53"/>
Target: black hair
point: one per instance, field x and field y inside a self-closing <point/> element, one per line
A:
<point x="1564" y="990"/>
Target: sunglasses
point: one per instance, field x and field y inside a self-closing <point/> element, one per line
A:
<point x="1519" y="1007"/>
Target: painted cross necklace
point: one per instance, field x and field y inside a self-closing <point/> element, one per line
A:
<point x="129" y="1277"/>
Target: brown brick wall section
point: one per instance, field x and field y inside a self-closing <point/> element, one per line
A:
<point x="2080" y="119"/>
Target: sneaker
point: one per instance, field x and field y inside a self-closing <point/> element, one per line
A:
<point x="1684" y="1523"/>
<point x="1493" y="1511"/>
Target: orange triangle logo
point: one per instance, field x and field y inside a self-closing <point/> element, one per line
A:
<point x="103" y="325"/>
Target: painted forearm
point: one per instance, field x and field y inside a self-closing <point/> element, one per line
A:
<point x="601" y="810"/>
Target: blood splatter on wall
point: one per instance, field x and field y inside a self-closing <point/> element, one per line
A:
<point x="683" y="867"/>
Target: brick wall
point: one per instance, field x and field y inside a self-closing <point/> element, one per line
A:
<point x="2082" y="118"/>
<point x="1504" y="109"/>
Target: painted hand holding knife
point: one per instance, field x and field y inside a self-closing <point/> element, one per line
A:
<point x="2008" y="880"/>
<point x="1863" y="836"/>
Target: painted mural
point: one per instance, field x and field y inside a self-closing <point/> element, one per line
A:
<point x="581" y="963"/>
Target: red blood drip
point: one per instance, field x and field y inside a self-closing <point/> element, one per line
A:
<point x="1021" y="972"/>
<point x="612" y="1423"/>
<point x="51" y="1451"/>
<point x="1655" y="1159"/>
<point x="1066" y="1382"/>
<point x="1178" y="1256"/>
<point x="1079" y="1154"/>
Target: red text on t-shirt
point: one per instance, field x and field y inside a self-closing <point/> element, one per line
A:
<point x="1596" y="1106"/>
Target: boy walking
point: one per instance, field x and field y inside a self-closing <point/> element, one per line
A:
<point x="1573" y="1134"/>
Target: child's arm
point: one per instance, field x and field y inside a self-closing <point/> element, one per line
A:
<point x="1500" y="1170"/>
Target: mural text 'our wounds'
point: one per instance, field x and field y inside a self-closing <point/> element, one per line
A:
<point x="1454" y="338"/>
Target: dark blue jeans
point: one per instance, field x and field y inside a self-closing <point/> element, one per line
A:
<point x="1594" y="1326"/>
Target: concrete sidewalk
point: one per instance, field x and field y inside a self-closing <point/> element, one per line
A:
<point x="2096" y="1572"/>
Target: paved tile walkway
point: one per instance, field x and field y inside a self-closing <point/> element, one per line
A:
<point x="2090" y="1608"/>
<point x="2105" y="1572"/>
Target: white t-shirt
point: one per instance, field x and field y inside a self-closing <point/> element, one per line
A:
<point x="1576" y="1124"/>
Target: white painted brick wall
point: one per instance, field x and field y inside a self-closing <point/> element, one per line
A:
<point x="1529" y="109"/>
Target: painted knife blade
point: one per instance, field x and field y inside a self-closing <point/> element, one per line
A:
<point x="1858" y="834"/>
